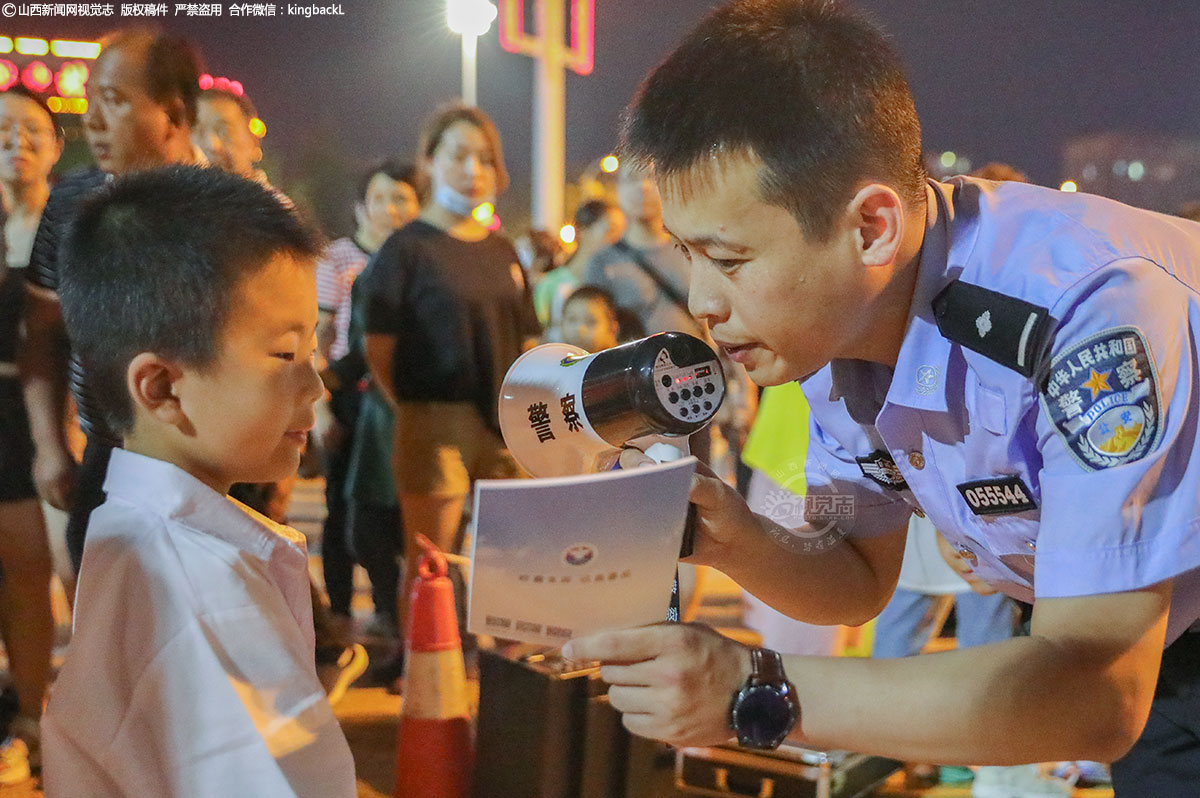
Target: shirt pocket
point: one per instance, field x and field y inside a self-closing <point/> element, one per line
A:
<point x="990" y="408"/>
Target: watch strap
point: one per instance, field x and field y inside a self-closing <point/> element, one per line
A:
<point x="766" y="666"/>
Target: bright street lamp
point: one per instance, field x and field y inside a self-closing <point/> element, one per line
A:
<point x="469" y="19"/>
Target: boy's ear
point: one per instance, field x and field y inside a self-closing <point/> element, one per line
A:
<point x="878" y="215"/>
<point x="151" y="380"/>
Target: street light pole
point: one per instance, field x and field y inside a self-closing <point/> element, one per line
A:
<point x="549" y="118"/>
<point x="470" y="45"/>
<point x="470" y="19"/>
<point x="551" y="58"/>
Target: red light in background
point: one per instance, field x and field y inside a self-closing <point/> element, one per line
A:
<point x="71" y="80"/>
<point x="37" y="76"/>
<point x="9" y="75"/>
<point x="206" y="82"/>
<point x="235" y="86"/>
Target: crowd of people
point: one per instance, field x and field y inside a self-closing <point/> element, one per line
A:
<point x="420" y="312"/>
<point x="174" y="332"/>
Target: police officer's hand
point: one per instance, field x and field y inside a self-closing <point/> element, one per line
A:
<point x="671" y="682"/>
<point x="721" y="511"/>
<point x="54" y="475"/>
<point x="962" y="567"/>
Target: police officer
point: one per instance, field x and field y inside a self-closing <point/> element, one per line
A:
<point x="1017" y="363"/>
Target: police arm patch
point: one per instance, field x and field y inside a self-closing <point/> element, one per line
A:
<point x="1102" y="395"/>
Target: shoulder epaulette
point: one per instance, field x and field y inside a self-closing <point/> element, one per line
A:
<point x="1012" y="332"/>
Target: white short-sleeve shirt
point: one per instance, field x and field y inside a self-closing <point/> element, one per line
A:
<point x="190" y="671"/>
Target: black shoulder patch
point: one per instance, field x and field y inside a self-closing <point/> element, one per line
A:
<point x="1010" y="331"/>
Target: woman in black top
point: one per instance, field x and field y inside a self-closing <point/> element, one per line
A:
<point x="30" y="145"/>
<point x="447" y="312"/>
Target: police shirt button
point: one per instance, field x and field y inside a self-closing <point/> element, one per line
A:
<point x="918" y="512"/>
<point x="968" y="555"/>
<point x="1031" y="545"/>
<point x="916" y="460"/>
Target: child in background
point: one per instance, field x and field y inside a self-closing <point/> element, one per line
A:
<point x="190" y="295"/>
<point x="589" y="319"/>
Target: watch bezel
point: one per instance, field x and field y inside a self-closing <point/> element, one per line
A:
<point x="782" y="691"/>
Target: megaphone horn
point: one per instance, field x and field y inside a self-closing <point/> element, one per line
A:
<point x="563" y="411"/>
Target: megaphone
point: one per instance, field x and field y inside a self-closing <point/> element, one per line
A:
<point x="565" y="412"/>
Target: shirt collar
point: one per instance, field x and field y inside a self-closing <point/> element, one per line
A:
<point x="167" y="490"/>
<point x="919" y="378"/>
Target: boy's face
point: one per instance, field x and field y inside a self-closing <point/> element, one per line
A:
<point x="223" y="132"/>
<point x="778" y="302"/>
<point x="251" y="409"/>
<point x="588" y="324"/>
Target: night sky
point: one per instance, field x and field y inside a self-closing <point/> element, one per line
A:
<point x="1007" y="80"/>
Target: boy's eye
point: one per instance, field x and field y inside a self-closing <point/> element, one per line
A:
<point x="683" y="249"/>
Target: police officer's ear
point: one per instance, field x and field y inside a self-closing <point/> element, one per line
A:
<point x="878" y="218"/>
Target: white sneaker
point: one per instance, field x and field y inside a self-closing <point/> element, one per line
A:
<point x="14" y="762"/>
<point x="1020" y="781"/>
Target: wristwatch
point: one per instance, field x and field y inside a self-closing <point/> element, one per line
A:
<point x="765" y="709"/>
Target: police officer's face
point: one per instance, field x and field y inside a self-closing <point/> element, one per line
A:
<point x="778" y="302"/>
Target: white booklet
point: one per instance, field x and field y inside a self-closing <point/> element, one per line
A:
<point x="555" y="559"/>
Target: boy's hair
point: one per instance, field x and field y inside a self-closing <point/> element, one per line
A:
<point x="594" y="293"/>
<point x="591" y="212"/>
<point x="816" y="92"/>
<point x="400" y="172"/>
<point x="152" y="264"/>
<point x="172" y="67"/>
<point x="445" y="116"/>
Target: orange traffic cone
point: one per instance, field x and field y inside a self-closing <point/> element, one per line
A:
<point x="433" y="751"/>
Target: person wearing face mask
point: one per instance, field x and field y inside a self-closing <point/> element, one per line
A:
<point x="447" y="310"/>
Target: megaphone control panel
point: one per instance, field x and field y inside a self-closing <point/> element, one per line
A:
<point x="689" y="393"/>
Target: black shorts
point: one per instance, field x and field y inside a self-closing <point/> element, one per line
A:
<point x="1165" y="761"/>
<point x="16" y="447"/>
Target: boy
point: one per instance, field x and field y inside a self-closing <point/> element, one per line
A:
<point x="589" y="319"/>
<point x="1014" y="362"/>
<point x="190" y="297"/>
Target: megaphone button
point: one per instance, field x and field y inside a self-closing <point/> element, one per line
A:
<point x="666" y="381"/>
<point x="683" y="411"/>
<point x="709" y="388"/>
<point x="673" y="397"/>
<point x="696" y="409"/>
<point x="708" y="405"/>
<point x="686" y="394"/>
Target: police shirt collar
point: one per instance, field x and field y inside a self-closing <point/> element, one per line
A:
<point x="919" y="380"/>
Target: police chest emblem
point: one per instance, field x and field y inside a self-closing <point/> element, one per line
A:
<point x="1102" y="395"/>
<point x="997" y="496"/>
<point x="880" y="467"/>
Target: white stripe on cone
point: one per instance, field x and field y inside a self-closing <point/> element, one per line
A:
<point x="435" y="685"/>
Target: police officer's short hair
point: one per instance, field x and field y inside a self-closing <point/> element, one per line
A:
<point x="813" y="90"/>
<point x="152" y="263"/>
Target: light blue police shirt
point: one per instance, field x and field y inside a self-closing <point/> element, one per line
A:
<point x="1086" y="475"/>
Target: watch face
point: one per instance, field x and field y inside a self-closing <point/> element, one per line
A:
<point x="763" y="715"/>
